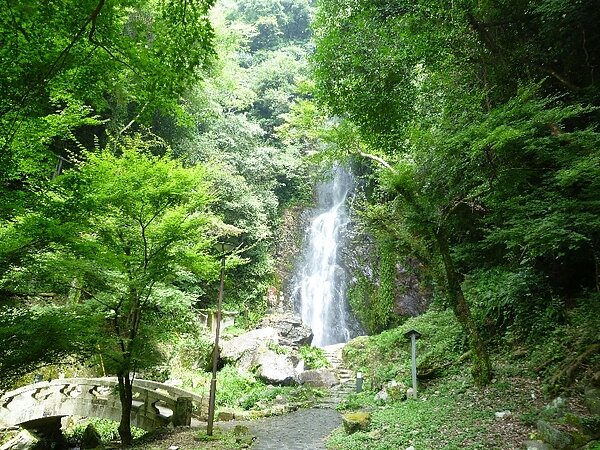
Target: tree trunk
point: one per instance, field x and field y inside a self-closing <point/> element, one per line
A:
<point x="126" y="398"/>
<point x="482" y="369"/>
<point x="596" y="254"/>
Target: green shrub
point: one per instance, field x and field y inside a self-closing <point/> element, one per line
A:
<point x="386" y="356"/>
<point x="260" y="393"/>
<point x="233" y="385"/>
<point x="569" y="352"/>
<point x="279" y="349"/>
<point x="313" y="357"/>
<point x="107" y="429"/>
<point x="519" y="301"/>
<point x="356" y="401"/>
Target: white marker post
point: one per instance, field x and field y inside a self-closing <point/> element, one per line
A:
<point x="413" y="335"/>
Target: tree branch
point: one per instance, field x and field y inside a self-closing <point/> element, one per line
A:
<point x="483" y="34"/>
<point x="562" y="79"/>
<point x="379" y="160"/>
<point x="133" y="120"/>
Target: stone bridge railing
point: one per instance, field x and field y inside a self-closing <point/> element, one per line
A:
<point x="154" y="405"/>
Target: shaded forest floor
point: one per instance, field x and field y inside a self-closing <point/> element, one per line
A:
<point x="451" y="413"/>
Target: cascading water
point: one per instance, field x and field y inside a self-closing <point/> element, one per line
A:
<point x="319" y="289"/>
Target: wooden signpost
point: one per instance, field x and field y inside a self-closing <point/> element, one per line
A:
<point x="413" y="335"/>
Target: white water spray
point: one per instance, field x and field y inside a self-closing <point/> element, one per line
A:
<point x="320" y="286"/>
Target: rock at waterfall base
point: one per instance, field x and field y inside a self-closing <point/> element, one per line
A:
<point x="292" y="332"/>
<point x="320" y="378"/>
<point x="274" y="368"/>
<point x="241" y="350"/>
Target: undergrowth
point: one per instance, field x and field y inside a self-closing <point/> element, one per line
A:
<point x="450" y="413"/>
<point x="386" y="356"/>
<point x="107" y="429"/>
<point x="314" y="357"/>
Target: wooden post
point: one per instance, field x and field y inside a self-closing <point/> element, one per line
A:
<point x="223" y="247"/>
<point x="413" y="335"/>
<point x="213" y="381"/>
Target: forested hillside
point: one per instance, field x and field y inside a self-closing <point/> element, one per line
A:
<point x="480" y="123"/>
<point x="139" y="136"/>
<point x="135" y="135"/>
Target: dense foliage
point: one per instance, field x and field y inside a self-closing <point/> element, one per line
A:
<point x="133" y="135"/>
<point x="481" y="120"/>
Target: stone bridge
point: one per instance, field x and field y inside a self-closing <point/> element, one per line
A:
<point x="154" y="405"/>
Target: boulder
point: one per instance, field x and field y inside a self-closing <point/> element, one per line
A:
<point x="321" y="378"/>
<point x="591" y="399"/>
<point x="555" y="437"/>
<point x="242" y="350"/>
<point x="292" y="332"/>
<point x="391" y="391"/>
<point x="587" y="426"/>
<point x="356" y="421"/>
<point x="382" y="395"/>
<point x="24" y="440"/>
<point x="274" y="368"/>
<point x="556" y="408"/>
<point x="502" y="414"/>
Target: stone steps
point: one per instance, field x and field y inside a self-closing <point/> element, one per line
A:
<point x="346" y="377"/>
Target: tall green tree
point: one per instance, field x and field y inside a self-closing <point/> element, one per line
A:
<point x="130" y="256"/>
<point x="148" y="219"/>
<point x="464" y="106"/>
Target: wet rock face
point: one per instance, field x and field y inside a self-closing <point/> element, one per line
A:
<point x="412" y="297"/>
<point x="361" y="258"/>
<point x="292" y="332"/>
<point x="294" y="222"/>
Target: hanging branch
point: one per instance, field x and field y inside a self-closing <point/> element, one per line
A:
<point x="379" y="160"/>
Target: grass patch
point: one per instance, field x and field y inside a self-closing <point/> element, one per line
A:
<point x="386" y="356"/>
<point x="451" y="413"/>
<point x="107" y="429"/>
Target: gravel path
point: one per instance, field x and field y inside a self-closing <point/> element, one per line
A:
<point x="305" y="429"/>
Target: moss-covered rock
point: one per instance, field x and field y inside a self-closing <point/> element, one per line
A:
<point x="591" y="399"/>
<point x="356" y="421"/>
<point x="560" y="440"/>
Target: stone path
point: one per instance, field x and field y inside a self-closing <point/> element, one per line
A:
<point x="305" y="429"/>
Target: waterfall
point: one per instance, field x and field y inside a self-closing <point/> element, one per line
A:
<point x="319" y="287"/>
